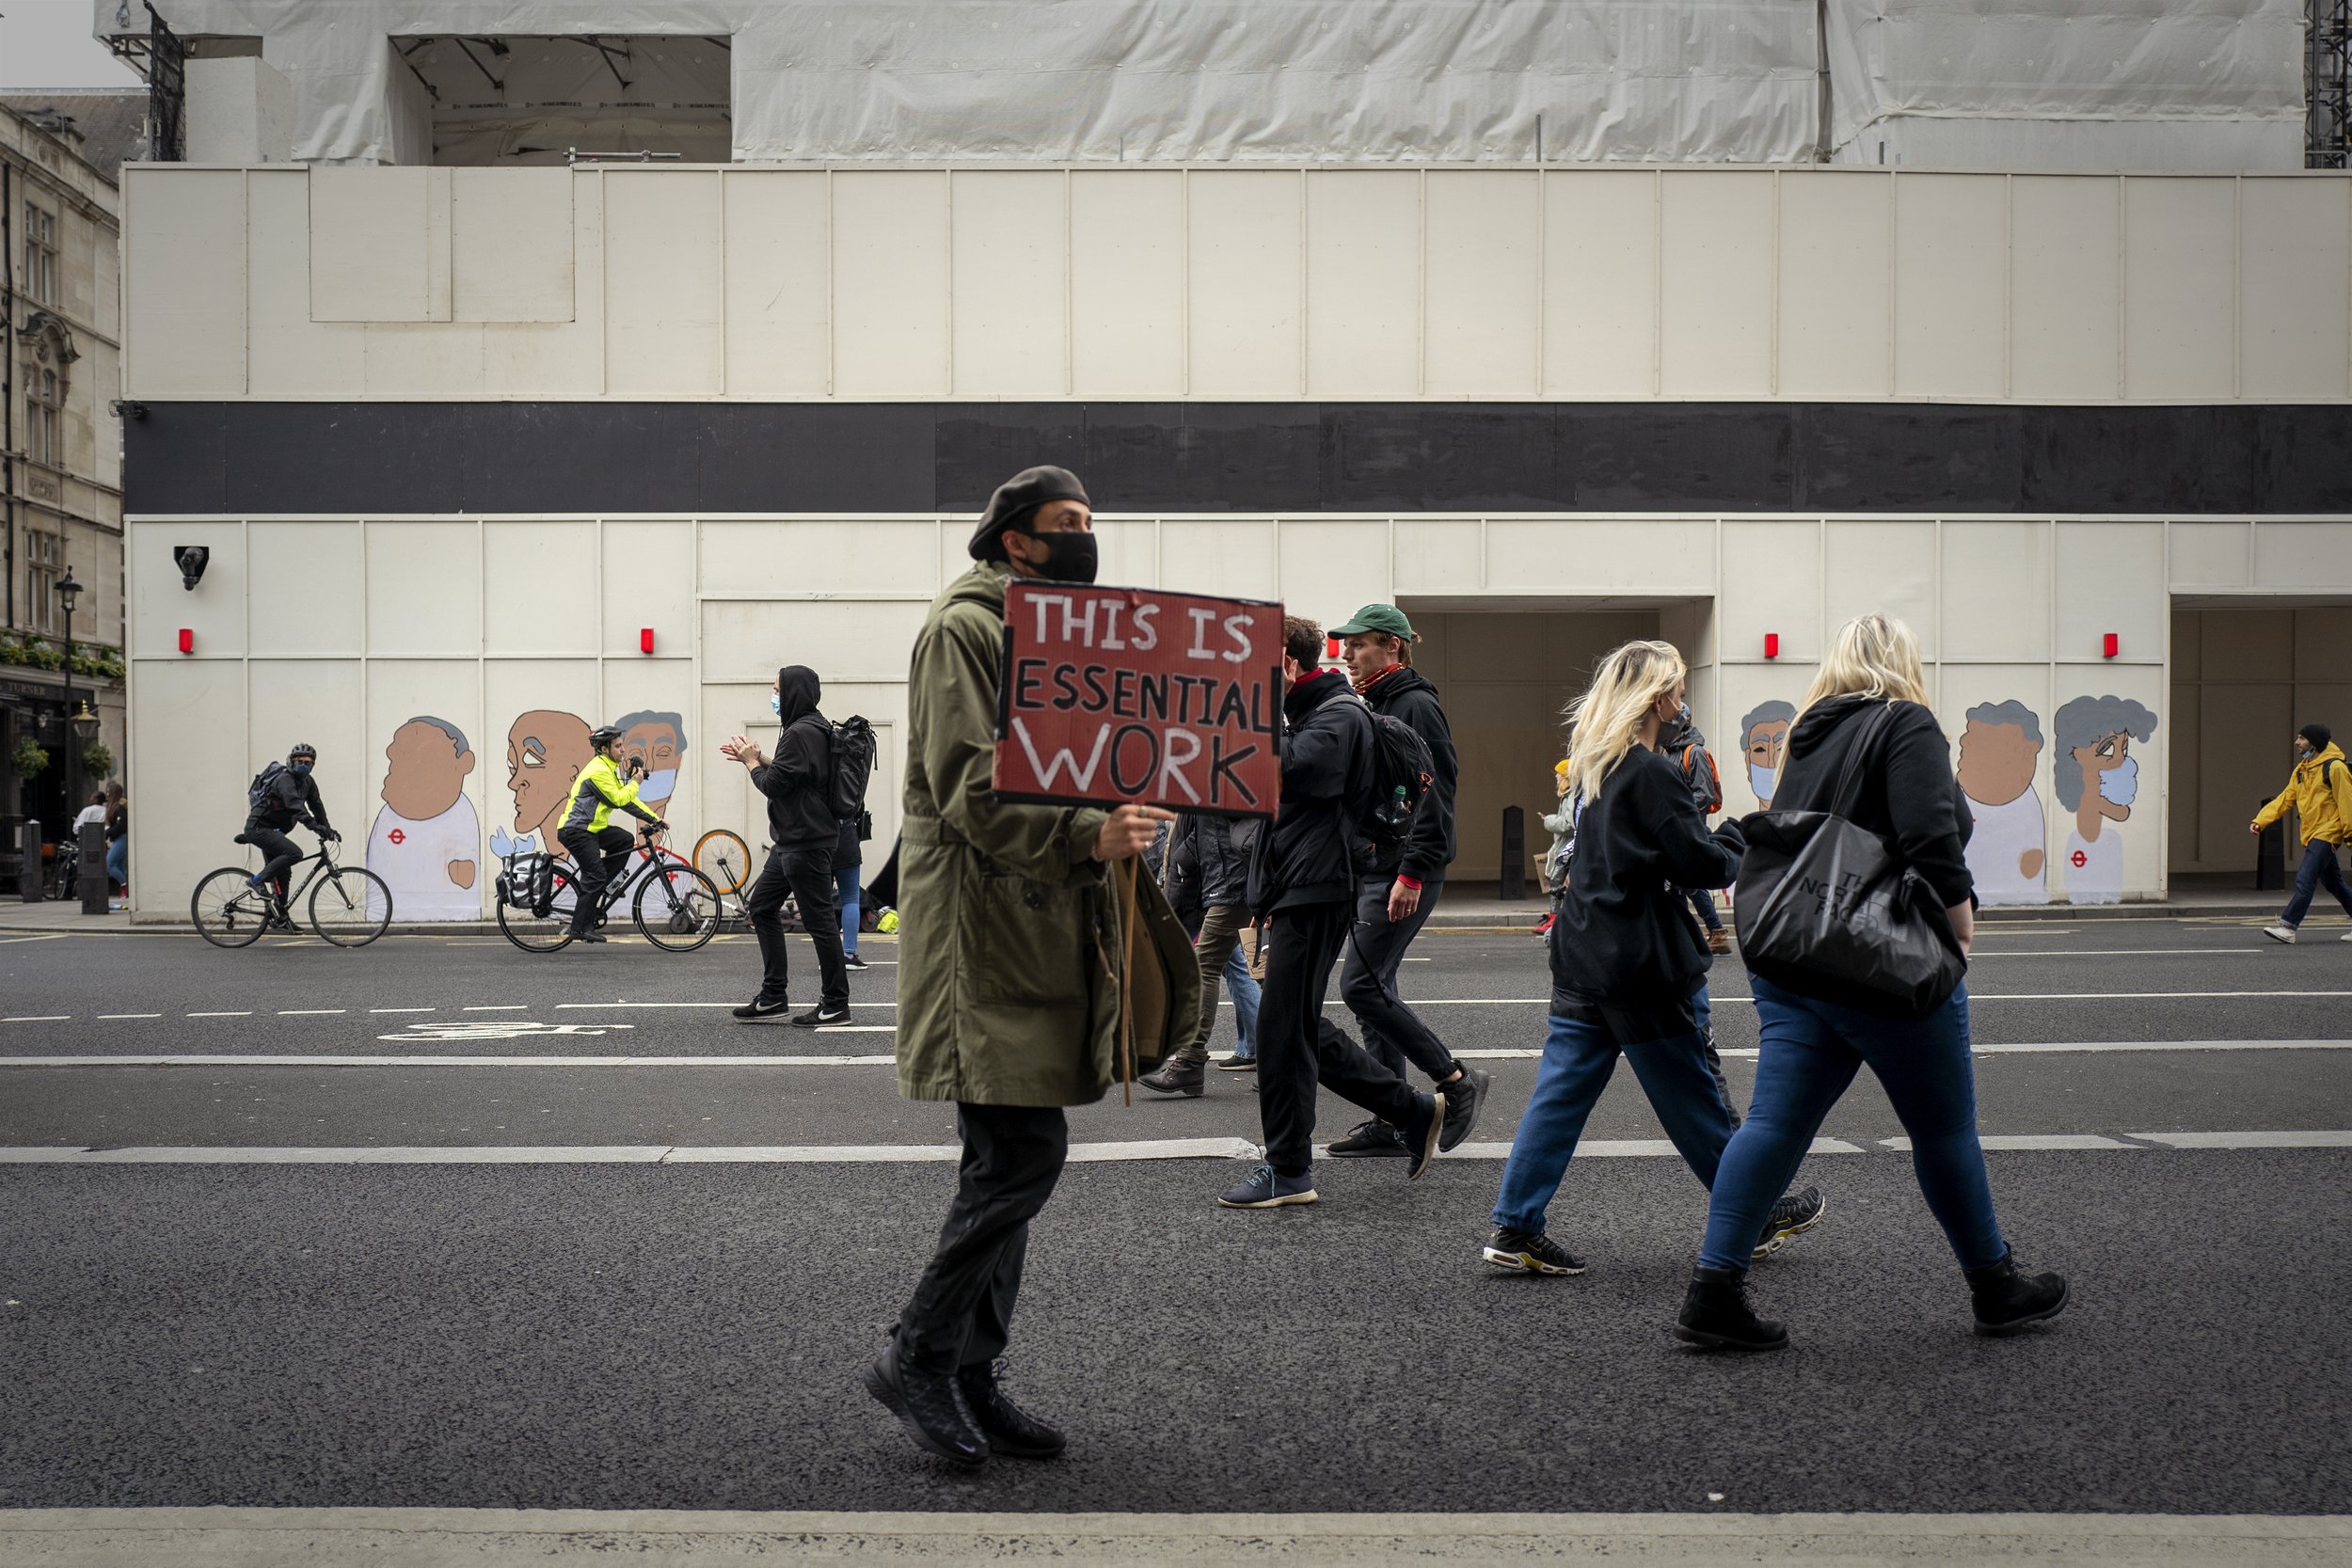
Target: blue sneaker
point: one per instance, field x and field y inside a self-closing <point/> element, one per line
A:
<point x="1268" y="1188"/>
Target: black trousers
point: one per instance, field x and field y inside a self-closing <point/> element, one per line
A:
<point x="280" y="854"/>
<point x="1394" y="1033"/>
<point x="961" y="1314"/>
<point x="804" y="871"/>
<point x="1298" y="1048"/>
<point x="597" y="858"/>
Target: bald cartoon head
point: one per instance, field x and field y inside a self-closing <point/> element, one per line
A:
<point x="427" y="763"/>
<point x="545" y="752"/>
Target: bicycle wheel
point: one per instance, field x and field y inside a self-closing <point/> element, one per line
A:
<point x="226" y="910"/>
<point x="350" y="906"/>
<point x="725" y="857"/>
<point x="676" y="908"/>
<point x="540" y="933"/>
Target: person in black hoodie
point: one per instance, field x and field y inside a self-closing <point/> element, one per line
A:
<point x="1818" y="1032"/>
<point x="801" y="831"/>
<point x="1627" y="960"/>
<point x="1396" y="900"/>
<point x="1302" y="884"/>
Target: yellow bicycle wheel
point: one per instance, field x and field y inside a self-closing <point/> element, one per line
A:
<point x="725" y="857"/>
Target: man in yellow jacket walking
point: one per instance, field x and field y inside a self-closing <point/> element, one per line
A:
<point x="2321" y="792"/>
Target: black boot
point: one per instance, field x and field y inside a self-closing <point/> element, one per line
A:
<point x="2007" y="1299"/>
<point x="1012" y="1431"/>
<point x="924" y="1404"/>
<point x="1716" y="1314"/>
<point x="1177" y="1076"/>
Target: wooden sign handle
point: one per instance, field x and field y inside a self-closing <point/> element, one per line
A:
<point x="1129" y="869"/>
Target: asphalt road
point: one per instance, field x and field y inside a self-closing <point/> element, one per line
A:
<point x="541" y="1333"/>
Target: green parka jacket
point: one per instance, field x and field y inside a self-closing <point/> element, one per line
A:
<point x="1010" y="956"/>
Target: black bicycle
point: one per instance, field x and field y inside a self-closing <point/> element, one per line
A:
<point x="349" y="905"/>
<point x="676" y="907"/>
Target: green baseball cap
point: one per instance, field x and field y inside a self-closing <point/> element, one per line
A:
<point x="1384" y="618"/>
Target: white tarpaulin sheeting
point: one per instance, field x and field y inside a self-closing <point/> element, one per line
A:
<point x="2067" y="83"/>
<point x="1144" y="80"/>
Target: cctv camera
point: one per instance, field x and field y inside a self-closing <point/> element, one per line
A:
<point x="125" y="409"/>
<point x="191" y="559"/>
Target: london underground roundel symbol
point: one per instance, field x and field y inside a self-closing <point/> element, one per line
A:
<point x="397" y="836"/>
<point x="2079" y="860"/>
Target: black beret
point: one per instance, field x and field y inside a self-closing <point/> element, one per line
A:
<point x="1014" y="500"/>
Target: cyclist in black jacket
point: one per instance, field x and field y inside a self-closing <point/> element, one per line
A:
<point x="289" y="799"/>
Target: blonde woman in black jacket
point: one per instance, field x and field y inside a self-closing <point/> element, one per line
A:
<point x="1817" y="1033"/>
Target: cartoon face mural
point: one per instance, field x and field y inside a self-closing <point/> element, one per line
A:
<point x="658" y="740"/>
<point x="546" y="749"/>
<point x="427" y="843"/>
<point x="1763" y="741"/>
<point x="1999" y="753"/>
<point x="2097" y="779"/>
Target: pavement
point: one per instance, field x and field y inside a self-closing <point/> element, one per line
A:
<point x="359" y="1238"/>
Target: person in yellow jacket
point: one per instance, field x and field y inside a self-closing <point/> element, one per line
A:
<point x="2320" y="790"/>
<point x="599" y="848"/>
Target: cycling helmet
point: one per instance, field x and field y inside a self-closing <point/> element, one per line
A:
<point x="603" y="734"/>
<point x="303" y="749"/>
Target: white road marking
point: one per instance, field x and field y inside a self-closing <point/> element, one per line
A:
<point x="311" y="1012"/>
<point x="2027" y="1140"/>
<point x="2250" y="1140"/>
<point x="388" y="1010"/>
<point x="54" y="935"/>
<point x="39" y="1018"/>
<point x="497" y="1029"/>
<point x="604" y="1006"/>
<point x="500" y="1008"/>
<point x="247" y="1014"/>
<point x="2102" y="952"/>
<point x="443" y="1061"/>
<point x="1629" y="1149"/>
<point x="109" y="1018"/>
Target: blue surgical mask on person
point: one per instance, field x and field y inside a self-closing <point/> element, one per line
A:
<point x="1761" y="779"/>
<point x="775" y="703"/>
<point x="2119" y="785"/>
<point x="660" y="784"/>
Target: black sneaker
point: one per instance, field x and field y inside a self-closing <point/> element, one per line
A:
<point x="758" y="1010"/>
<point x="851" y="960"/>
<point x="1235" y="1062"/>
<point x="821" y="1015"/>
<point x="1464" y="1097"/>
<point x="926" y="1405"/>
<point x="590" y="936"/>
<point x="1421" y="1134"/>
<point x="1795" y="1213"/>
<point x="1010" y="1430"/>
<point x="1373" y="1140"/>
<point x="1177" y="1076"/>
<point x="1716" y="1315"/>
<point x="1530" y="1252"/>
<point x="2007" y="1299"/>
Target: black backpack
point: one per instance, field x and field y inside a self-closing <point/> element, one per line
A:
<point x="258" y="792"/>
<point x="1401" y="772"/>
<point x="854" y="751"/>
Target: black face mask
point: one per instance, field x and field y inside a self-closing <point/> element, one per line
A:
<point x="1068" y="557"/>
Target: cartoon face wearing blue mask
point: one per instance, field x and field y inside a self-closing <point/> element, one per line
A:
<point x="2119" y="784"/>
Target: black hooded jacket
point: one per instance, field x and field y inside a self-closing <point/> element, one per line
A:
<point x="1908" y="794"/>
<point x="1404" y="692"/>
<point x="1625" y="951"/>
<point x="797" y="779"/>
<point x="1314" y="851"/>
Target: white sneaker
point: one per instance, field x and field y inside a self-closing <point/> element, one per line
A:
<point x="2347" y="937"/>
<point x="2280" y="933"/>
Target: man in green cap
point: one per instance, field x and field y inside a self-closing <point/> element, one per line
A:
<point x="1396" y="899"/>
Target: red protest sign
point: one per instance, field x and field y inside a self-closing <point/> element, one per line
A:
<point x="1120" y="695"/>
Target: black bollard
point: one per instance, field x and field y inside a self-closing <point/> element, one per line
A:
<point x="2270" y="856"/>
<point x="1514" y="854"/>
<point x="91" y="879"/>
<point x="29" y="869"/>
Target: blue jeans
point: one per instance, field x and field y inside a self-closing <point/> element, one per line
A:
<point x="2318" y="870"/>
<point x="1579" y="1058"/>
<point x="119" y="862"/>
<point x="845" y="892"/>
<point x="1811" y="1052"/>
<point x="1244" y="990"/>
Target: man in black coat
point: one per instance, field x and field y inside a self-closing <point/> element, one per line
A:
<point x="801" y="830"/>
<point x="1207" y="878"/>
<point x="1302" y="883"/>
<point x="1396" y="900"/>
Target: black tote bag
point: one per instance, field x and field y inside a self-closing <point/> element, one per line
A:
<point x="1830" y="910"/>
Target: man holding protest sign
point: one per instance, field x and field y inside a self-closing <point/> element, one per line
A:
<point x="1302" y="883"/>
<point x="1013" y="963"/>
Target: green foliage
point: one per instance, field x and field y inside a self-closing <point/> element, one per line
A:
<point x="29" y="757"/>
<point x="97" y="762"/>
<point x="31" y="652"/>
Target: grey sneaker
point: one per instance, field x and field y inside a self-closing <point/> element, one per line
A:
<point x="1530" y="1252"/>
<point x="1795" y="1213"/>
<point x="1268" y="1188"/>
<point x="2280" y="933"/>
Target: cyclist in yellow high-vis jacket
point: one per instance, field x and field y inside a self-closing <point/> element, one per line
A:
<point x="598" y="847"/>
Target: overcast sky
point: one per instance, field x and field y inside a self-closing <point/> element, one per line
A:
<point x="47" y="44"/>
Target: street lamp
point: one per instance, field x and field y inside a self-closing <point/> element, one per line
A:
<point x="69" y="591"/>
